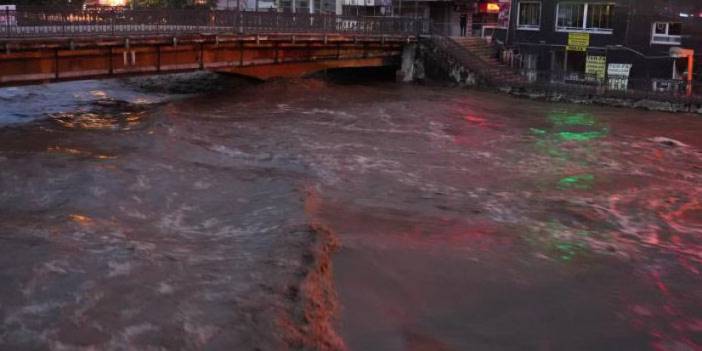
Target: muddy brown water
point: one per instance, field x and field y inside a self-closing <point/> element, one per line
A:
<point x="313" y="215"/>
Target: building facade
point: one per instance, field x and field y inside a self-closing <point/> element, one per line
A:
<point x="297" y="6"/>
<point x="651" y="41"/>
<point x="105" y="3"/>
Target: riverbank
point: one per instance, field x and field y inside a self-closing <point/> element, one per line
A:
<point x="433" y="64"/>
<point x="674" y="106"/>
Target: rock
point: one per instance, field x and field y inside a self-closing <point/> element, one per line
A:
<point x="668" y="142"/>
<point x="471" y="79"/>
<point x="406" y="74"/>
<point x="655" y="105"/>
<point x="536" y="95"/>
<point x="419" y="71"/>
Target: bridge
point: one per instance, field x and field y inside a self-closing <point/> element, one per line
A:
<point x="43" y="45"/>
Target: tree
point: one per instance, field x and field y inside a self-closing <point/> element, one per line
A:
<point x="38" y="3"/>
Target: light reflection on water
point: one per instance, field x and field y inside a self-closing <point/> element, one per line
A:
<point x="464" y="220"/>
<point x="665" y="219"/>
<point x="77" y="152"/>
<point x="99" y="121"/>
<point x="30" y="103"/>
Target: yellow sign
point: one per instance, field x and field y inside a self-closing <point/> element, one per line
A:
<point x="596" y="66"/>
<point x="578" y="41"/>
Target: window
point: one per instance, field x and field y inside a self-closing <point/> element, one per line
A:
<point x="599" y="16"/>
<point x="585" y="17"/>
<point x="529" y="15"/>
<point x="570" y="16"/>
<point x="666" y="33"/>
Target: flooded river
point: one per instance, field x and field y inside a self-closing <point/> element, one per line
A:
<point x="315" y="215"/>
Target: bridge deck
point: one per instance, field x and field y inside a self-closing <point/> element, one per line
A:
<point x="54" y="45"/>
<point x="41" y="60"/>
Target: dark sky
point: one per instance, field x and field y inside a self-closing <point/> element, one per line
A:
<point x="669" y="6"/>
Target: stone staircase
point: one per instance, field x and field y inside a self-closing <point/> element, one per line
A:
<point x="499" y="73"/>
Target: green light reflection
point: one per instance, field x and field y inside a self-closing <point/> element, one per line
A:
<point x="570" y="145"/>
<point x="579" y="181"/>
<point x="561" y="242"/>
<point x="568" y="142"/>
<point x="572" y="119"/>
<point x="583" y="136"/>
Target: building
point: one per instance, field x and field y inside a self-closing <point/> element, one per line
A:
<point x="367" y="7"/>
<point x="444" y="14"/>
<point x="246" y="5"/>
<point x="483" y="16"/>
<point x="297" y="6"/>
<point x="105" y="3"/>
<point x="138" y="4"/>
<point x="645" y="42"/>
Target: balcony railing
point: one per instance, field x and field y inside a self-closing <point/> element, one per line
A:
<point x="115" y="22"/>
<point x="666" y="39"/>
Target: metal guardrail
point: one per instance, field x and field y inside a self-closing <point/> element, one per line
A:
<point x="453" y="50"/>
<point x="473" y="29"/>
<point x="581" y="84"/>
<point x="34" y="23"/>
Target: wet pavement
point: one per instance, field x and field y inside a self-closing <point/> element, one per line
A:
<point x="378" y="216"/>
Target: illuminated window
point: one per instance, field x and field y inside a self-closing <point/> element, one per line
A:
<point x="493" y="8"/>
<point x="667" y="33"/>
<point x="489" y="7"/>
<point x="585" y="17"/>
<point x="112" y="2"/>
<point x="529" y="15"/>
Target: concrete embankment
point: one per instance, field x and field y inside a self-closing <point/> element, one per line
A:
<point x="430" y="62"/>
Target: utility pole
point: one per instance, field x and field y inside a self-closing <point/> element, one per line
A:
<point x="509" y="23"/>
<point x="629" y="13"/>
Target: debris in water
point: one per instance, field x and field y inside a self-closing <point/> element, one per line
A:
<point x="668" y="142"/>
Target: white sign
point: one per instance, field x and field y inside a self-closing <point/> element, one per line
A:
<point x="618" y="75"/>
<point x="619" y="69"/>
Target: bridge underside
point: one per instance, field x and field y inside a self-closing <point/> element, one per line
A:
<point x="301" y="69"/>
<point x="262" y="57"/>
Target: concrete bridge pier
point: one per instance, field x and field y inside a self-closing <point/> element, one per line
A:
<point x="408" y="67"/>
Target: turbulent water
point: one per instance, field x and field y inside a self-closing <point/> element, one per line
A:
<point x="313" y="215"/>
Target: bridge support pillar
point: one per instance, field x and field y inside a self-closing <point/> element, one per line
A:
<point x="406" y="73"/>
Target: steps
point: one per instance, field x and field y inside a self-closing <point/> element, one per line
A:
<point x="493" y="68"/>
